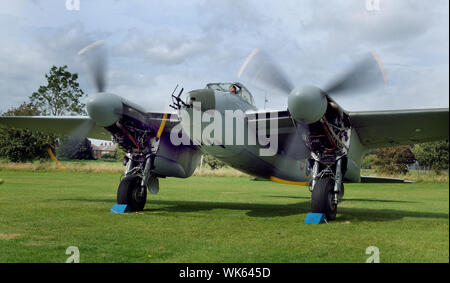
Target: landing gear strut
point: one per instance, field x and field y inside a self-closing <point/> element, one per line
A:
<point x="139" y="172"/>
<point x="329" y="142"/>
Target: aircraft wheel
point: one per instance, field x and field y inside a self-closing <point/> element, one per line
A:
<point x="322" y="198"/>
<point x="129" y="192"/>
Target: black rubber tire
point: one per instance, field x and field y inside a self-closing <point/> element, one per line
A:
<point x="322" y="198"/>
<point x="127" y="192"/>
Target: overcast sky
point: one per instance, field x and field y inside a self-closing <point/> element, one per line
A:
<point x="154" y="45"/>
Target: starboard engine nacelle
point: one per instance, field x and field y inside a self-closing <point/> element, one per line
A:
<point x="307" y="104"/>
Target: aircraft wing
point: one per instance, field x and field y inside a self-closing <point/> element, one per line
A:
<point x="378" y="129"/>
<point x="75" y="125"/>
<point x="64" y="125"/>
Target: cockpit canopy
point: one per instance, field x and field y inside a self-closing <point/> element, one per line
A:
<point x="239" y="88"/>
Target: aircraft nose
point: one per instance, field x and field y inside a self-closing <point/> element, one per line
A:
<point x="205" y="98"/>
<point x="104" y="108"/>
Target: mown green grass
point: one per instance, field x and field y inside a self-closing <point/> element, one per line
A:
<point x="216" y="219"/>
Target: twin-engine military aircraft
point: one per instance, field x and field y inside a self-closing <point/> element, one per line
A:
<point x="317" y="142"/>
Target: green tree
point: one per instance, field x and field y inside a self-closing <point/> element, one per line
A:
<point x="62" y="94"/>
<point x="432" y="155"/>
<point x="394" y="160"/>
<point x="74" y="148"/>
<point x="25" y="109"/>
<point x="19" y="145"/>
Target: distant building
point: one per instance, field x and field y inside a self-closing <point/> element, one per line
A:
<point x="103" y="148"/>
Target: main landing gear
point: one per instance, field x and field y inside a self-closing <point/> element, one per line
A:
<point x="139" y="175"/>
<point x="329" y="141"/>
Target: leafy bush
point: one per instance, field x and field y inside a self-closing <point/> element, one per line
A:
<point x="432" y="155"/>
<point x="23" y="145"/>
<point x="394" y="160"/>
<point x="109" y="157"/>
<point x="18" y="145"/>
<point x="368" y="161"/>
<point x="213" y="162"/>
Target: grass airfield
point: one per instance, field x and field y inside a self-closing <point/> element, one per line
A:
<point x="216" y="219"/>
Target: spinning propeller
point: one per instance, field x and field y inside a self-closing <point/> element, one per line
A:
<point x="93" y="55"/>
<point x="104" y="108"/>
<point x="308" y="104"/>
<point x="96" y="61"/>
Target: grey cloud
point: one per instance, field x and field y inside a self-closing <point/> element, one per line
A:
<point x="164" y="47"/>
<point x="25" y="61"/>
<point x="395" y="21"/>
<point x="155" y="45"/>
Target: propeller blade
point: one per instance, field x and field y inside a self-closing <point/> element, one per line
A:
<point x="95" y="57"/>
<point x="78" y="135"/>
<point x="367" y="73"/>
<point x="259" y="68"/>
<point x="53" y="157"/>
<point x="83" y="129"/>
